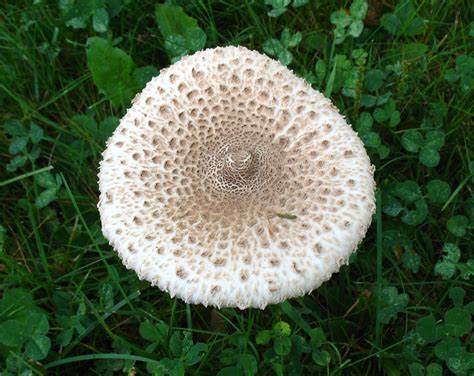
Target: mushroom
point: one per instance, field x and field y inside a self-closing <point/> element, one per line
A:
<point x="230" y="182"/>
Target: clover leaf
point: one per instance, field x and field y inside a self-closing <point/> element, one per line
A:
<point x="412" y="141"/>
<point x="464" y="72"/>
<point x="438" y="191"/>
<point x="466" y="269"/>
<point x="321" y="358"/>
<point x="370" y="138"/>
<point x="387" y="112"/>
<point x="299" y="3"/>
<point x="349" y="23"/>
<point x="107" y="127"/>
<point x="343" y="76"/>
<point x="403" y="20"/>
<point x="457" y="322"/>
<point x="52" y="184"/>
<point x="428" y="330"/>
<point x="428" y="147"/>
<point x="290" y="40"/>
<point x="17" y="144"/>
<point x="263" y="337"/>
<point x="154" y="332"/>
<point x="21" y="139"/>
<point x="359" y="9"/>
<point x="181" y="33"/>
<point x="451" y="350"/>
<point x="411" y="261"/>
<point x="408" y="191"/>
<point x="23" y="325"/>
<point x="405" y="198"/>
<point x="280" y="334"/>
<point x="321" y="70"/>
<point x="457" y="294"/>
<point x="434" y="140"/>
<point x="77" y="13"/>
<point x="364" y="128"/>
<point x="457" y="225"/>
<point x="443" y="347"/>
<point x="100" y="20"/>
<point x="391" y="304"/>
<point x="183" y="352"/>
<point x="113" y="71"/>
<point x="281" y="6"/>
<point x="240" y="362"/>
<point x="446" y="268"/>
<point x="459" y="360"/>
<point x="36" y="133"/>
<point x="374" y="79"/>
<point x="280" y="48"/>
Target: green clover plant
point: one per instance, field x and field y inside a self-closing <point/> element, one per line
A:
<point x="281" y="6"/>
<point x="427" y="146"/>
<point x="23" y="144"/>
<point x="447" y="267"/>
<point x="78" y="13"/>
<point x="464" y="73"/>
<point x="445" y="336"/>
<point x="179" y="346"/>
<point x="181" y="33"/>
<point x="280" y="48"/>
<point x="114" y="72"/>
<point x="349" y="23"/>
<point x="24" y="330"/>
<point x="403" y="20"/>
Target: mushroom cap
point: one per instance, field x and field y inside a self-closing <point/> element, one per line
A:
<point x="230" y="182"/>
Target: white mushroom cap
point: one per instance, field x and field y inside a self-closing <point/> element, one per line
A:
<point x="230" y="182"/>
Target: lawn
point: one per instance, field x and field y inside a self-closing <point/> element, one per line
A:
<point x="401" y="72"/>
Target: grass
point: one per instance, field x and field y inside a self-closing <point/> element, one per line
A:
<point x="402" y="306"/>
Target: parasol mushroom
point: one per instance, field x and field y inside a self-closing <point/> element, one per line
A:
<point x="230" y="182"/>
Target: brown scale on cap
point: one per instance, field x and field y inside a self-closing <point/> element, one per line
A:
<point x="231" y="182"/>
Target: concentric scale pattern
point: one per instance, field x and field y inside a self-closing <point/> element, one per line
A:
<point x="231" y="182"/>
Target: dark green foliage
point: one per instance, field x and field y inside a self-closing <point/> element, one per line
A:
<point x="281" y="6"/>
<point x="444" y="336"/>
<point x="464" y="72"/>
<point x="401" y="72"/>
<point x="404" y="20"/>
<point x="349" y="23"/>
<point x="280" y="48"/>
<point x="23" y="329"/>
<point x="180" y="32"/>
<point x="114" y="72"/>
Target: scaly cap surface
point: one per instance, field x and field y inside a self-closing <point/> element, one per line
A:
<point x="231" y="182"/>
